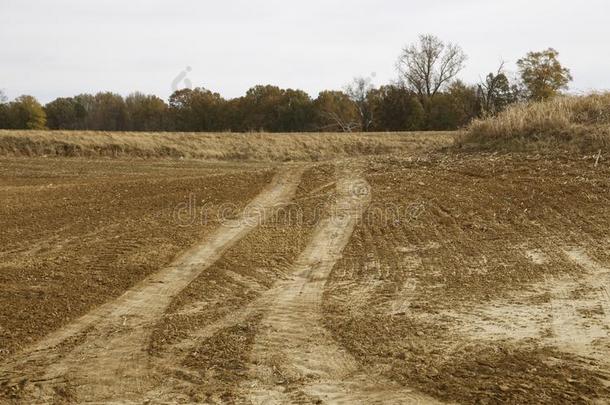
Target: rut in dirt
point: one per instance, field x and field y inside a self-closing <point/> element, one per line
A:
<point x="102" y="356"/>
<point x="295" y="360"/>
<point x="581" y="310"/>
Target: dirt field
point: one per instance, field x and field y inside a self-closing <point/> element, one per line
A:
<point x="495" y="289"/>
<point x="420" y="277"/>
<point x="77" y="233"/>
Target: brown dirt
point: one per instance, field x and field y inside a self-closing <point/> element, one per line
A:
<point x="77" y="233"/>
<point x="230" y="293"/>
<point x="294" y="359"/>
<point x="222" y="361"/>
<point x="111" y="362"/>
<point x="469" y="279"/>
<point x="416" y="293"/>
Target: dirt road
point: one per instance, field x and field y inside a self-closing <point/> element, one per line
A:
<point x="295" y="360"/>
<point x="101" y="356"/>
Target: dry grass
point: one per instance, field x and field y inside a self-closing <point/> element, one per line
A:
<point x="215" y="146"/>
<point x="581" y="123"/>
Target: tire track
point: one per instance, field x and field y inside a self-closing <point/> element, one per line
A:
<point x="598" y="278"/>
<point x="295" y="359"/>
<point x="575" y="320"/>
<point x="591" y="311"/>
<point x="108" y="360"/>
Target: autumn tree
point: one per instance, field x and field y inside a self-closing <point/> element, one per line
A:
<point x="336" y="112"/>
<point x="85" y="105"/>
<point x="146" y="112"/>
<point x="543" y="75"/>
<point x="108" y="112"/>
<point x="396" y="108"/>
<point x="260" y="108"/>
<point x="25" y="112"/>
<point x="62" y="113"/>
<point x="496" y="92"/>
<point x="3" y="111"/>
<point x="358" y="91"/>
<point x="270" y="108"/>
<point x="196" y="109"/>
<point x="296" y="112"/>
<point x="465" y="104"/>
<point x="429" y="66"/>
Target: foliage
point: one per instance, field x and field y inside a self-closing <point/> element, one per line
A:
<point x="146" y="112"/>
<point x="496" y="92"/>
<point x="109" y="112"/>
<point x="336" y="112"/>
<point x="62" y="113"/>
<point x="196" y="110"/>
<point x="25" y="112"/>
<point x="428" y="96"/>
<point x="543" y="75"/>
<point x="396" y="109"/>
<point x="3" y="109"/>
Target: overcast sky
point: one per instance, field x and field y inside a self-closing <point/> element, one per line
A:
<point x="65" y="47"/>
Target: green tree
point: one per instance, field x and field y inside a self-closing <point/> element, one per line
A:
<point x="543" y="75"/>
<point x="25" y="112"/>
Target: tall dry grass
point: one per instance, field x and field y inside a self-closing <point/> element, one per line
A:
<point x="570" y="122"/>
<point x="215" y="146"/>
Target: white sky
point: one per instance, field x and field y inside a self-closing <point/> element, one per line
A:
<point x="65" y="47"/>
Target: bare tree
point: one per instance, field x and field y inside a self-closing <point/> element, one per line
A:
<point x="3" y="98"/>
<point x="429" y="66"/>
<point x="338" y="121"/>
<point x="358" y="91"/>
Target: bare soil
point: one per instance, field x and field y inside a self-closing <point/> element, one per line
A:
<point x="76" y="233"/>
<point x="470" y="295"/>
<point x="415" y="278"/>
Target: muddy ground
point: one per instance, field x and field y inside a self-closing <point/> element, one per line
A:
<point x="421" y="278"/>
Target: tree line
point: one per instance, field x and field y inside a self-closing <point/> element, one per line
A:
<point x="427" y="95"/>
